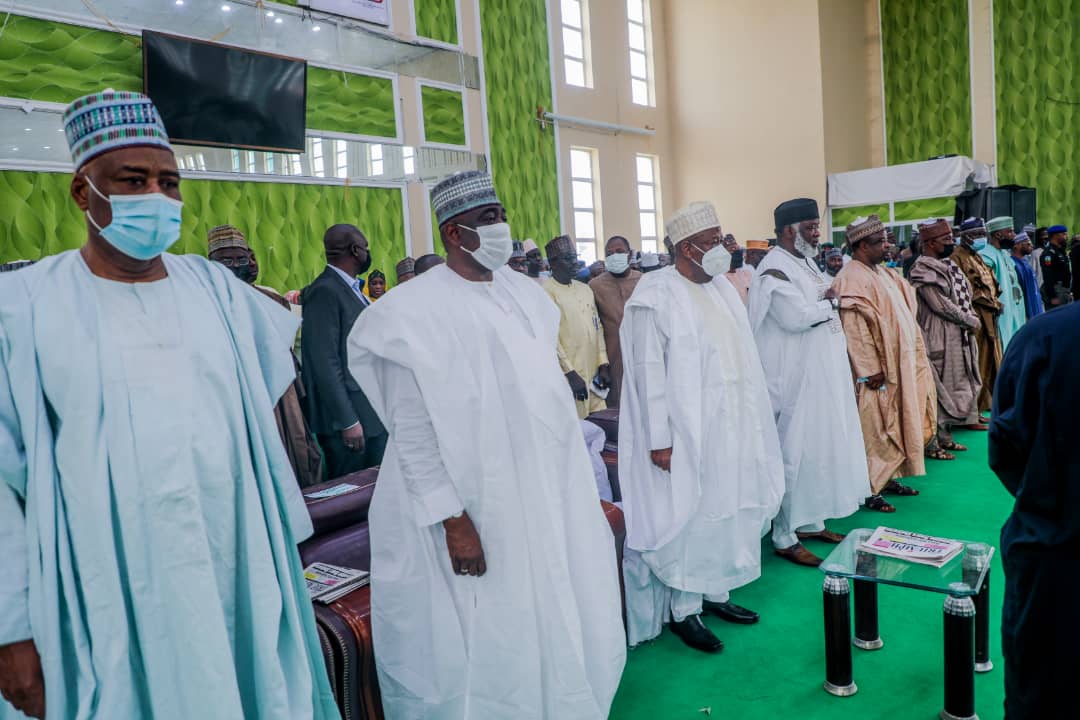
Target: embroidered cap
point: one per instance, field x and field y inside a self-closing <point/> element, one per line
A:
<point x="110" y="120"/>
<point x="863" y="228"/>
<point x="999" y="223"/>
<point x="225" y="236"/>
<point x="462" y="192"/>
<point x="690" y="220"/>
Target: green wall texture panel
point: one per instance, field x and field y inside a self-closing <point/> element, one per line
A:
<point x="54" y="62"/>
<point x="443" y="114"/>
<point x="283" y="223"/>
<point x="842" y="217"/>
<point x="437" y="19"/>
<point x="922" y="209"/>
<point x="517" y="73"/>
<point x="1037" y="77"/>
<point x="927" y="83"/>
<point x="350" y="103"/>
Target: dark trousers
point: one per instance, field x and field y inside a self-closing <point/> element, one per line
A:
<point x="340" y="460"/>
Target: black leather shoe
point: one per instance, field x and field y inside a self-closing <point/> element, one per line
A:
<point x="731" y="612"/>
<point x="695" y="634"/>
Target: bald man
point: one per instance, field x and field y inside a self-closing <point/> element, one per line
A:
<point x="349" y="430"/>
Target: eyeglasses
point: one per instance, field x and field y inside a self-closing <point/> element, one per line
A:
<point x="566" y="258"/>
<point x="235" y="262"/>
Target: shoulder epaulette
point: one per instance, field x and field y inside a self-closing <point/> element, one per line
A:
<point x="778" y="274"/>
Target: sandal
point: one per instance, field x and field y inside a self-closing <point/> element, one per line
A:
<point x="895" y="488"/>
<point x="876" y="502"/>
<point x="954" y="446"/>
<point x="938" y="455"/>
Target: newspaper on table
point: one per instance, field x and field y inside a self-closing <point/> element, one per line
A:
<point x="327" y="583"/>
<point x="334" y="491"/>
<point x="913" y="547"/>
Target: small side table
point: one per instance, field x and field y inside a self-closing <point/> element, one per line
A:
<point x="965" y="580"/>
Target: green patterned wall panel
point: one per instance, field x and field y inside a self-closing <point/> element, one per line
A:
<point x="842" y="217"/>
<point x="53" y="62"/>
<point x="349" y="103"/>
<point x="927" y="83"/>
<point x="443" y="115"/>
<point x="923" y="209"/>
<point x="517" y="72"/>
<point x="1037" y="77"/>
<point x="437" y="19"/>
<point x="283" y="223"/>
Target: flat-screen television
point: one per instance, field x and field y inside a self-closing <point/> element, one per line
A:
<point x="212" y="94"/>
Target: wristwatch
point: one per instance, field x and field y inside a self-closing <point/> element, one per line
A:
<point x="835" y="304"/>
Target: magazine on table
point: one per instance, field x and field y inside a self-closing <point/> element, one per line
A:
<point x="327" y="583"/>
<point x="913" y="547"/>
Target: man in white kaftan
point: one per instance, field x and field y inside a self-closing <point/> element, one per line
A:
<point x="148" y="512"/>
<point x="495" y="590"/>
<point x="795" y="319"/>
<point x="699" y="459"/>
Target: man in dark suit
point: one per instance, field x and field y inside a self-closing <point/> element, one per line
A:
<point x="348" y="429"/>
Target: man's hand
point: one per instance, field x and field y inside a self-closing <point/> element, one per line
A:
<point x="463" y="544"/>
<point x="831" y="294"/>
<point x="662" y="459"/>
<point x="353" y="438"/>
<point x="874" y="382"/>
<point x="603" y="377"/>
<point x="21" y="681"/>
<point x="577" y="386"/>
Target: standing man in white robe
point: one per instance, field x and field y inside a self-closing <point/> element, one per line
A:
<point x="148" y="512"/>
<point x="795" y="318"/>
<point x="699" y="460"/>
<point x="495" y="591"/>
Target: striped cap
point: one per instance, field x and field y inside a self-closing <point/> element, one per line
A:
<point x="864" y="228"/>
<point x="225" y="236"/>
<point x="999" y="223"/>
<point x="111" y="120"/>
<point x="461" y="193"/>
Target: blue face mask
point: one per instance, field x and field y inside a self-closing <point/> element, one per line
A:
<point x="143" y="226"/>
<point x="892" y="264"/>
<point x="978" y="244"/>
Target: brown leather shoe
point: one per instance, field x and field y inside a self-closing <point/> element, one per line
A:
<point x="825" y="536"/>
<point x="799" y="555"/>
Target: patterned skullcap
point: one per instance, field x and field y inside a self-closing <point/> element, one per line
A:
<point x="794" y="211"/>
<point x="934" y="230"/>
<point x="518" y="251"/>
<point x="863" y="228"/>
<point x="757" y="245"/>
<point x="405" y="267"/>
<point x="649" y="260"/>
<point x="530" y="245"/>
<point x="833" y="252"/>
<point x="225" y="236"/>
<point x="462" y="192"/>
<point x="560" y="245"/>
<point x="110" y="120"/>
<point x="1022" y="237"/>
<point x="1030" y="229"/>
<point x="690" y="220"/>
<point x="999" y="223"/>
<point x="972" y="224"/>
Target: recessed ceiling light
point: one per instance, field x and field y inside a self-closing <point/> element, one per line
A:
<point x="15" y="149"/>
<point x="179" y="2"/>
<point x="26" y="129"/>
<point x="46" y="147"/>
<point x="316" y="29"/>
<point x="270" y="13"/>
<point x="225" y="8"/>
<point x="278" y="20"/>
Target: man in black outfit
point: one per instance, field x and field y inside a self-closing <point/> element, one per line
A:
<point x="1033" y="450"/>
<point x="349" y="431"/>
<point x="1057" y="278"/>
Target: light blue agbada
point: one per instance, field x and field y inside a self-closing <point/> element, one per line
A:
<point x="1010" y="293"/>
<point x="148" y="513"/>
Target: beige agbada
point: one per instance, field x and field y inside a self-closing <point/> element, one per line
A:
<point x="877" y="308"/>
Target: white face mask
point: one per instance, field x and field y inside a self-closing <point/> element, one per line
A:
<point x="617" y="263"/>
<point x="715" y="262"/>
<point x="804" y="247"/>
<point x="496" y="245"/>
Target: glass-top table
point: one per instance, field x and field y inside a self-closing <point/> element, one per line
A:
<point x="964" y="579"/>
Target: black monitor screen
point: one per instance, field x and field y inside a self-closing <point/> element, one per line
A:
<point x="211" y="94"/>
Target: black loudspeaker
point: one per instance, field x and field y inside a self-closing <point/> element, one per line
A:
<point x="1013" y="200"/>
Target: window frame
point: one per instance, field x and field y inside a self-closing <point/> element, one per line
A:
<point x="593" y="180"/>
<point x="647" y="52"/>
<point x="657" y="210"/>
<point x="585" y="59"/>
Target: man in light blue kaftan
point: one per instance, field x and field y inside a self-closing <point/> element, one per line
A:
<point x="148" y="512"/>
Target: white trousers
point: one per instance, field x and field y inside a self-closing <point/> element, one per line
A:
<point x="783" y="535"/>
<point x="686" y="604"/>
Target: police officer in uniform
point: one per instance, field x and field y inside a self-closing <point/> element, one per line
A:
<point x="1057" y="279"/>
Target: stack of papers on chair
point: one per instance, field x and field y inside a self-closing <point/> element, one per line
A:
<point x="912" y="547"/>
<point x="326" y="583"/>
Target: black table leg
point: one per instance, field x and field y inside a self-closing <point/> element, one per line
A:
<point x="838" y="672"/>
<point x="867" y="636"/>
<point x="959" y="658"/>
<point x="975" y="561"/>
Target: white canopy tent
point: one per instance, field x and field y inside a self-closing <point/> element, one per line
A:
<point x="944" y="177"/>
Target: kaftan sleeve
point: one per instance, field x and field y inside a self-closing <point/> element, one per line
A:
<point x="601" y="343"/>
<point x="430" y="488"/>
<point x="14" y="566"/>
<point x="790" y="309"/>
<point x="564" y="361"/>
<point x="865" y="361"/>
<point x="650" y="372"/>
<point x="935" y="301"/>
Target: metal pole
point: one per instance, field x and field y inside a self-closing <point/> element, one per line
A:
<point x="959" y="656"/>
<point x="867" y="636"/>
<point x="976" y="559"/>
<point x="838" y="672"/>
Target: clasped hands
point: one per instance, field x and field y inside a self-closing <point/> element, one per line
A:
<point x="581" y="389"/>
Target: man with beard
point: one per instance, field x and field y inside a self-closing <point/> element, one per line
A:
<point x="1021" y="252"/>
<point x="948" y="323"/>
<point x="834" y="262"/>
<point x="897" y="403"/>
<point x="611" y="290"/>
<point x="997" y="255"/>
<point x="984" y="298"/>
<point x="793" y="314"/>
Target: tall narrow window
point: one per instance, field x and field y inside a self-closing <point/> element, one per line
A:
<point x="251" y="162"/>
<point x="297" y="165"/>
<point x="318" y="166"/>
<point x="408" y="159"/>
<point x="269" y="163"/>
<point x="642" y="91"/>
<point x="648" y="192"/>
<point x="341" y="158"/>
<point x="375" y="152"/>
<point x="235" y="160"/>
<point x="575" y="35"/>
<point x="585" y="192"/>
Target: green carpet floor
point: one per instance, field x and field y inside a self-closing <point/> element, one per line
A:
<point x="775" y="669"/>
